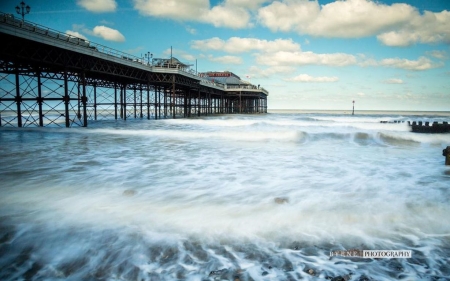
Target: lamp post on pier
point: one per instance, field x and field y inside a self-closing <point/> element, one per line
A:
<point x="23" y="9"/>
<point x="149" y="57"/>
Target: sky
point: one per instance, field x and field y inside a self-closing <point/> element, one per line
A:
<point x="324" y="54"/>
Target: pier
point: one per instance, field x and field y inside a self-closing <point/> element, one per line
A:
<point x="49" y="78"/>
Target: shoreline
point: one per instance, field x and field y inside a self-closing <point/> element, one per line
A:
<point x="361" y="112"/>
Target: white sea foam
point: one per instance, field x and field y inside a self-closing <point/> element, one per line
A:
<point x="192" y="199"/>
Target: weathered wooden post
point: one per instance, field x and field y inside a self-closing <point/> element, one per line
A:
<point x="446" y="153"/>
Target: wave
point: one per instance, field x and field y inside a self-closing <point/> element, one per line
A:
<point x="246" y="136"/>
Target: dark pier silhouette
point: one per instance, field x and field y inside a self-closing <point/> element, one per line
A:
<point x="49" y="78"/>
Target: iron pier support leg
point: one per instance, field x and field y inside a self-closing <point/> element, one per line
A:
<point x="66" y="99"/>
<point x="115" y="100"/>
<point x="158" y="103"/>
<point x="78" y="99"/>
<point x="199" y="103"/>
<point x="39" y="99"/>
<point x="240" y="102"/>
<point x="121" y="101"/>
<point x="185" y="104"/>
<point x="165" y="102"/>
<point x="148" y="102"/>
<point x="172" y="100"/>
<point x="189" y="104"/>
<point x="18" y="100"/>
<point x="95" y="101"/>
<point x="84" y="101"/>
<point x="140" y="102"/>
<point x="135" y="104"/>
<point x="125" y="101"/>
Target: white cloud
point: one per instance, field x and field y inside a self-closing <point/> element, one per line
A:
<point x="438" y="54"/>
<point x="223" y="15"/>
<point x="398" y="24"/>
<point x="348" y="19"/>
<point x="226" y="59"/>
<point x="309" y="78"/>
<point x="172" y="9"/>
<point x="191" y="30"/>
<point x="98" y="6"/>
<point x="394" y="81"/>
<point x="428" y="28"/>
<point x="108" y="34"/>
<point x="305" y="58"/>
<point x="76" y="34"/>
<point x="422" y="63"/>
<point x="267" y="72"/>
<point x="227" y="16"/>
<point x="249" y="4"/>
<point x="242" y="45"/>
<point x="300" y="58"/>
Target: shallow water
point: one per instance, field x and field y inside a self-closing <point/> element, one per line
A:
<point x="248" y="197"/>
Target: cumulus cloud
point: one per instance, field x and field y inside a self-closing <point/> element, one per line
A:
<point x="226" y="59"/>
<point x="305" y="58"/>
<point x="172" y="9"/>
<point x="300" y="58"/>
<point x="242" y="45"/>
<point x="108" y="34"/>
<point x="76" y="34"/>
<point x="428" y="28"/>
<point x="395" y="25"/>
<point x="348" y="19"/>
<point x="309" y="78"/>
<point x="98" y="6"/>
<point x="438" y="54"/>
<point x="422" y="63"/>
<point x="227" y="16"/>
<point x="394" y="81"/>
<point x="267" y="72"/>
<point x="223" y="15"/>
<point x="249" y="4"/>
<point x="191" y="30"/>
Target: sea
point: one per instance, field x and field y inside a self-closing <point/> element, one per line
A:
<point x="227" y="197"/>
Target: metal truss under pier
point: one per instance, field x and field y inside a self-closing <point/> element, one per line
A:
<point x="49" y="78"/>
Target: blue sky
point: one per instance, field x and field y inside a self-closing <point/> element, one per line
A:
<point x="385" y="55"/>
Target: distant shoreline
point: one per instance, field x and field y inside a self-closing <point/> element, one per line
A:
<point x="361" y="112"/>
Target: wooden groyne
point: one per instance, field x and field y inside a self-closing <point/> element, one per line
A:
<point x="435" y="128"/>
<point x="425" y="127"/>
